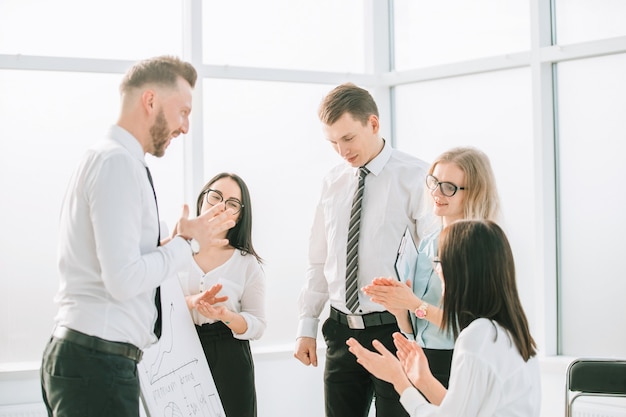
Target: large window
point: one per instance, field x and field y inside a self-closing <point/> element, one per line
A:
<point x="265" y="131"/>
<point x="592" y="102"/>
<point x="262" y="130"/>
<point x="49" y="119"/>
<point x="112" y="29"/>
<point x="322" y="35"/>
<point x="492" y="112"/>
<point x="589" y="20"/>
<point x="429" y="33"/>
<point x="443" y="73"/>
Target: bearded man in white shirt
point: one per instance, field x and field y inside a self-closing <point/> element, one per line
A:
<point x="392" y="201"/>
<point x="111" y="255"/>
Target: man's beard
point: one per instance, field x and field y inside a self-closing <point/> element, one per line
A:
<point x="160" y="135"/>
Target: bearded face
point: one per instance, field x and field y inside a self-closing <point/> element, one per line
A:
<point x="161" y="134"/>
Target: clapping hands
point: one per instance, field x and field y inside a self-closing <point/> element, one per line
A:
<point x="391" y="293"/>
<point x="409" y="368"/>
<point x="204" y="303"/>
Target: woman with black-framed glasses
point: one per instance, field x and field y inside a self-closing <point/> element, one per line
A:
<point x="228" y="320"/>
<point x="461" y="185"/>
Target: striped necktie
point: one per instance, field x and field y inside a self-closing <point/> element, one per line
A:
<point x="157" y="297"/>
<point x="352" y="259"/>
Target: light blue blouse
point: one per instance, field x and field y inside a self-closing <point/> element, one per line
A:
<point x="427" y="286"/>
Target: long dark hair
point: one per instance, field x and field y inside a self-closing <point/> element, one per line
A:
<point x="240" y="236"/>
<point x="479" y="277"/>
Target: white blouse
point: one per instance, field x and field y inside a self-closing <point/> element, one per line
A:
<point x="488" y="378"/>
<point x="243" y="281"/>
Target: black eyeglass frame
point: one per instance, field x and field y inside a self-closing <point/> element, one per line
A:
<point x="230" y="200"/>
<point x="438" y="184"/>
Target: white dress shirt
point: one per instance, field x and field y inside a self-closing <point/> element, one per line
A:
<point x="108" y="258"/>
<point x="488" y="378"/>
<point x="393" y="200"/>
<point x="243" y="281"/>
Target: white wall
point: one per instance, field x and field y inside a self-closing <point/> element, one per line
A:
<point x="287" y="388"/>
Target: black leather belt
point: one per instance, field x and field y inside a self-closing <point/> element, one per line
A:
<point x="99" y="345"/>
<point x="355" y="321"/>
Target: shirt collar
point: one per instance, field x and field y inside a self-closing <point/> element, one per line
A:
<point x="376" y="165"/>
<point x="128" y="141"/>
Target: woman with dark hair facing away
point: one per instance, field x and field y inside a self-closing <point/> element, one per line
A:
<point x="460" y="185"/>
<point x="226" y="322"/>
<point x="495" y="371"/>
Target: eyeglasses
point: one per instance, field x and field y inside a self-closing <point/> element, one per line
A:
<point x="436" y="264"/>
<point x="214" y="197"/>
<point x="447" y="188"/>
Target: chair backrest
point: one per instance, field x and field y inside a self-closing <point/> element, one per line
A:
<point x="594" y="377"/>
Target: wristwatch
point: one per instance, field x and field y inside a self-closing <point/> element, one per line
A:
<point x="421" y="311"/>
<point x="193" y="244"/>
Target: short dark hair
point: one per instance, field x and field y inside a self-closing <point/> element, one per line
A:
<point x="240" y="236"/>
<point x="347" y="98"/>
<point x="163" y="70"/>
<point x="479" y="277"/>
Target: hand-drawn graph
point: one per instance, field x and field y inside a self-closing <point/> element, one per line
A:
<point x="175" y="378"/>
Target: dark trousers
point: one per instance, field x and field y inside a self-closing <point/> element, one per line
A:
<point x="348" y="387"/>
<point x="81" y="382"/>
<point x="232" y="368"/>
<point x="439" y="362"/>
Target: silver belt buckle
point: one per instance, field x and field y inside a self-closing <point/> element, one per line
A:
<point x="355" y="322"/>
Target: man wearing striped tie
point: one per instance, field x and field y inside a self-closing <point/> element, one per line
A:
<point x="365" y="206"/>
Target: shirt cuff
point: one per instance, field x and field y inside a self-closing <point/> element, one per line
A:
<point x="255" y="328"/>
<point x="307" y="327"/>
<point x="181" y="252"/>
<point x="411" y="398"/>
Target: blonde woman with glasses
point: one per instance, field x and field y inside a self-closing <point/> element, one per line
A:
<point x="460" y="185"/>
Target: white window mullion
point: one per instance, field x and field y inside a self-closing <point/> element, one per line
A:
<point x="544" y="312"/>
<point x="378" y="52"/>
<point x="194" y="143"/>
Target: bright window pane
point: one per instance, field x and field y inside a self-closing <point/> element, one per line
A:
<point x="492" y="112"/>
<point x="592" y="99"/>
<point x="587" y="20"/>
<point x="437" y="32"/>
<point x="322" y="35"/>
<point x="119" y="29"/>
<point x="269" y="133"/>
<point x="44" y="136"/>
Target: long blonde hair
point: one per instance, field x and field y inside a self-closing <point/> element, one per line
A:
<point x="481" y="194"/>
